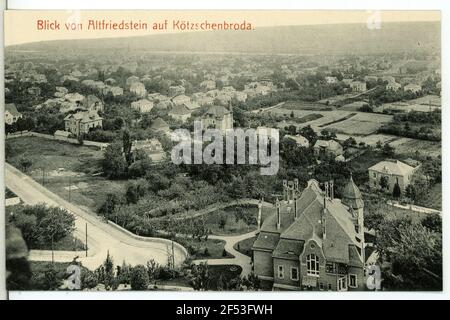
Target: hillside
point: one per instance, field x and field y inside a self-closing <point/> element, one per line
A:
<point x="343" y="38"/>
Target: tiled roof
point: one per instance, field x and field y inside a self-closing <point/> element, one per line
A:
<point x="217" y="111"/>
<point x="339" y="227"/>
<point x="11" y="108"/>
<point x="392" y="167"/>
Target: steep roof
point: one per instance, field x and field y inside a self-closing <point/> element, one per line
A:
<point x="339" y="228"/>
<point x="11" y="108"/>
<point x="179" y="110"/>
<point x="351" y="196"/>
<point x="392" y="167"/>
<point x="217" y="111"/>
<point x="159" y="123"/>
<point x="84" y="116"/>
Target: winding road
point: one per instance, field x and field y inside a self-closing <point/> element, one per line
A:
<point x="102" y="237"/>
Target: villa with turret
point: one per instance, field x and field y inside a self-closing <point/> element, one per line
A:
<point x="311" y="240"/>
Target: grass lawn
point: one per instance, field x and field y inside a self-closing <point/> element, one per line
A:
<point x="245" y="246"/>
<point x="65" y="164"/>
<point x="209" y="249"/>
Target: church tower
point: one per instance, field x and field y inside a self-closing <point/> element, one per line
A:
<point x="351" y="197"/>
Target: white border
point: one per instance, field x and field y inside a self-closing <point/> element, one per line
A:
<point x="444" y="6"/>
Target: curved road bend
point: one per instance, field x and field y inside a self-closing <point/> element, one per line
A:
<point x="102" y="237"/>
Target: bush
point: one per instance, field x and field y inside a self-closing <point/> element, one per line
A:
<point x="139" y="278"/>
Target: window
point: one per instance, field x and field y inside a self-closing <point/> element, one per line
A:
<point x="329" y="286"/>
<point x="312" y="265"/>
<point x="352" y="281"/>
<point x="280" y="272"/>
<point x="294" y="273"/>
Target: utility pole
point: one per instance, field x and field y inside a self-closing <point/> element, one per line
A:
<point x="53" y="255"/>
<point x="70" y="182"/>
<point x="86" y="244"/>
<point x="43" y="176"/>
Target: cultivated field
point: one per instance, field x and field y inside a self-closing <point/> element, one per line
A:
<point x="360" y="124"/>
<point x="59" y="165"/>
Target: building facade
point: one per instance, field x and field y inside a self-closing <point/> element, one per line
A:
<point x="393" y="171"/>
<point x="218" y="117"/>
<point x="82" y="121"/>
<point x="311" y="241"/>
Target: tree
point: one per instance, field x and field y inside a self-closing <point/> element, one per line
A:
<point x="410" y="192"/>
<point x="388" y="150"/>
<point x="200" y="278"/>
<point x="327" y="135"/>
<point x="25" y="164"/>
<point x="88" y="279"/>
<point x="139" y="278"/>
<point x="384" y="182"/>
<point x="127" y="144"/>
<point x="135" y="190"/>
<point x="112" y="201"/>
<point x="397" y="191"/>
<point x="114" y="164"/>
<point x="108" y="278"/>
<point x="309" y="134"/>
<point x="433" y="222"/>
<point x="415" y="256"/>
<point x="40" y="225"/>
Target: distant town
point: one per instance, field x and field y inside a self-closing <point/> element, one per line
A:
<point x="90" y="182"/>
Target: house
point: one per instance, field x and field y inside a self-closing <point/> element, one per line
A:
<point x="394" y="172"/>
<point x="159" y="125"/>
<point x="142" y="105"/>
<point x="131" y="80"/>
<point x="394" y="86"/>
<point x="328" y="147"/>
<point x="412" y="87"/>
<point x="11" y="113"/>
<point x="299" y="139"/>
<point x="176" y="90"/>
<point x="74" y="97"/>
<point x="151" y="147"/>
<point x="208" y="85"/>
<point x="82" y="121"/>
<point x="93" y="103"/>
<point x="218" y="117"/>
<point x="180" y="113"/>
<point x="138" y="89"/>
<point x="180" y="99"/>
<point x="114" y="91"/>
<point x="310" y="240"/>
<point x="358" y="86"/>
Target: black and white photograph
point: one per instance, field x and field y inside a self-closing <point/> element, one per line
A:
<point x="244" y="150"/>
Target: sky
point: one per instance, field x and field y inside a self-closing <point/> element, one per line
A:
<point x="21" y="25"/>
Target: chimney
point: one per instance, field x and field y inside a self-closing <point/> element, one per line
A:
<point x="277" y="204"/>
<point x="296" y="184"/>
<point x="331" y="189"/>
<point x="323" y="222"/>
<point x="259" y="213"/>
<point x="295" y="206"/>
